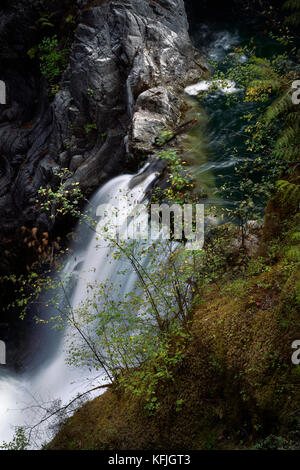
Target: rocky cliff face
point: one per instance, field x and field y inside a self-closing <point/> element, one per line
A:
<point x="128" y="63"/>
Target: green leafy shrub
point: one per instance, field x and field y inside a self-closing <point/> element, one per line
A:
<point x="19" y="441"/>
<point x="53" y="61"/>
<point x="164" y="136"/>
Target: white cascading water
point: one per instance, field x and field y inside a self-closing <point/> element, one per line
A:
<point x="20" y="395"/>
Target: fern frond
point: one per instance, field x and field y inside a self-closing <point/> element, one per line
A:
<point x="293" y="253"/>
<point x="288" y="154"/>
<point x="291" y="5"/>
<point x="294" y="117"/>
<point x="265" y="73"/>
<point x="295" y="237"/>
<point x="289" y="137"/>
<point x="261" y="61"/>
<point x="266" y="83"/>
<point x="290" y="192"/>
<point x="281" y="105"/>
<point x="293" y="19"/>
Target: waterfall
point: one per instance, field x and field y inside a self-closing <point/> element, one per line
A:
<point x="90" y="262"/>
<point x="52" y="378"/>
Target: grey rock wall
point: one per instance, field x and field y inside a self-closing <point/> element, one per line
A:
<point x="128" y="64"/>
